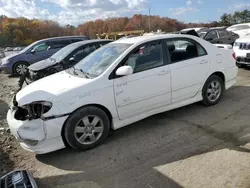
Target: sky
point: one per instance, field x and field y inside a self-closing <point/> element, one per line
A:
<point x="76" y="12"/>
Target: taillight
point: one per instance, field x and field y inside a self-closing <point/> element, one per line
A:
<point x="234" y="56"/>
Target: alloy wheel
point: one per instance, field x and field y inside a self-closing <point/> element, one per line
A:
<point x="21" y="69"/>
<point x="89" y="129"/>
<point x="214" y="91"/>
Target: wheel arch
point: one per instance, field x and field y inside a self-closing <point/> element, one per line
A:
<point x="221" y="75"/>
<point x="105" y="109"/>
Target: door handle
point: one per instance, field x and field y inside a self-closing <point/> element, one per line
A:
<point x="203" y="62"/>
<point x="164" y="72"/>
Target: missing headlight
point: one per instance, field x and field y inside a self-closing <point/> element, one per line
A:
<point x="33" y="110"/>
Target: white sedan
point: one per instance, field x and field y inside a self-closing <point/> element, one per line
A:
<point x="120" y="83"/>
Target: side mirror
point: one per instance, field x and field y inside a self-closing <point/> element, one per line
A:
<point x="124" y="71"/>
<point x="33" y="51"/>
<point x="72" y="59"/>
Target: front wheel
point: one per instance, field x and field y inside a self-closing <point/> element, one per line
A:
<point x="86" y="128"/>
<point x="213" y="90"/>
<point x="20" y="68"/>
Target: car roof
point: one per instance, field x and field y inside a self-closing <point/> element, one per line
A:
<point x="64" y="37"/>
<point x="239" y="24"/>
<point x="148" y="38"/>
<point x="81" y="43"/>
<point x="211" y="29"/>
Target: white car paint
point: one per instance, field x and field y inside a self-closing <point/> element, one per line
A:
<point x="224" y="46"/>
<point x="241" y="29"/>
<point x="128" y="99"/>
<point x="242" y="52"/>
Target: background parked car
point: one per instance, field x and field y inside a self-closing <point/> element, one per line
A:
<point x="8" y="49"/>
<point x="218" y="35"/>
<point x="61" y="60"/>
<point x="241" y="29"/>
<point x="2" y="54"/>
<point x="40" y="50"/>
<point x="242" y="51"/>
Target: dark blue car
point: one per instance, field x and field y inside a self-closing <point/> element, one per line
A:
<point x="17" y="64"/>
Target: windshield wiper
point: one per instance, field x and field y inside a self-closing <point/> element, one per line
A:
<point x="74" y="71"/>
<point x="86" y="74"/>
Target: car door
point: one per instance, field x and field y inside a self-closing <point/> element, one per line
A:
<point x="38" y="52"/>
<point x="212" y="36"/>
<point x="189" y="67"/>
<point x="148" y="87"/>
<point x="224" y="38"/>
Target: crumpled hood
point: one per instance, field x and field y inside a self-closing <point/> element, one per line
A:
<point x="49" y="87"/>
<point x="42" y="64"/>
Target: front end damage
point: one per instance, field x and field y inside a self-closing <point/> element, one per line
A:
<point x="36" y="126"/>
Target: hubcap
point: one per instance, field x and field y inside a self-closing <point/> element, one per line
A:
<point x="214" y="91"/>
<point x="21" y="69"/>
<point x="89" y="129"/>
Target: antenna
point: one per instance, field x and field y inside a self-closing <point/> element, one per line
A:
<point x="149" y="24"/>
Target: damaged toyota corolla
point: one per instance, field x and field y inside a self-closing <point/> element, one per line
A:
<point x="118" y="84"/>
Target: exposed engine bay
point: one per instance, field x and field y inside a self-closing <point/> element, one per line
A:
<point x="34" y="75"/>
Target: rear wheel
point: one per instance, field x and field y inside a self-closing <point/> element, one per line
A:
<point x="213" y="90"/>
<point x="86" y="128"/>
<point x="20" y="68"/>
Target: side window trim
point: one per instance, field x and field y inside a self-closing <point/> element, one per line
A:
<point x="123" y="61"/>
<point x="218" y="36"/>
<point x="186" y="39"/>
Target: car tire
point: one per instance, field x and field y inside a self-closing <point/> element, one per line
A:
<point x="20" y="68"/>
<point x="86" y="128"/>
<point x="213" y="90"/>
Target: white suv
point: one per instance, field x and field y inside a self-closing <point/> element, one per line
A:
<point x="242" y="51"/>
<point x="240" y="29"/>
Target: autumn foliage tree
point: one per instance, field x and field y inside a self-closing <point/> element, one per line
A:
<point x="22" y="31"/>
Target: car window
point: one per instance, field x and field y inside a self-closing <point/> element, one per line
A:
<point x="146" y="57"/>
<point x="103" y="43"/>
<point x="222" y="33"/>
<point x="212" y="35"/>
<point x="76" y="40"/>
<point x="182" y="49"/>
<point x="43" y="46"/>
<point x="59" y="44"/>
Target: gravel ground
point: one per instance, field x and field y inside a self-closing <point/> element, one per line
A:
<point x="190" y="147"/>
<point x="11" y="156"/>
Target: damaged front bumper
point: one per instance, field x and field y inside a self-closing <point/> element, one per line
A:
<point x="37" y="135"/>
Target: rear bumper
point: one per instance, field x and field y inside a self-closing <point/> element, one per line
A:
<point x="243" y="63"/>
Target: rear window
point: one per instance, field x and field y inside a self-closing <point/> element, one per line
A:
<point x="222" y="33"/>
<point x="76" y="40"/>
<point x="59" y="44"/>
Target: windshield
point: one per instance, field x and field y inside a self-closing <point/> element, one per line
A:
<point x="61" y="54"/>
<point x="98" y="61"/>
<point x="202" y="34"/>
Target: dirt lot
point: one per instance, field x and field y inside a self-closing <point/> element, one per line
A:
<point x="189" y="147"/>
